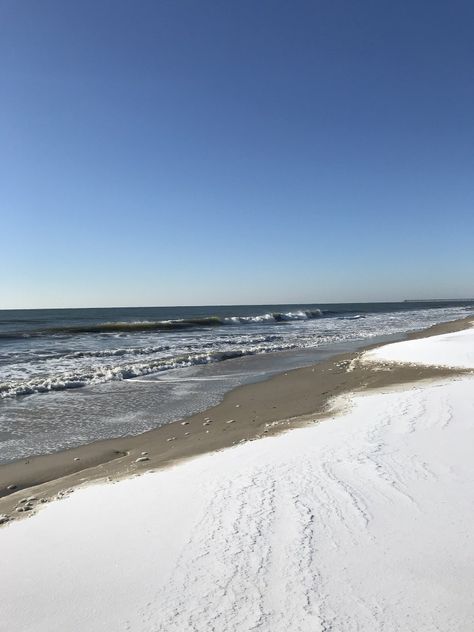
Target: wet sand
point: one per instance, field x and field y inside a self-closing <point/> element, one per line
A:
<point x="249" y="412"/>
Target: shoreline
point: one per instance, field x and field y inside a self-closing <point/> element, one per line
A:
<point x="246" y="413"/>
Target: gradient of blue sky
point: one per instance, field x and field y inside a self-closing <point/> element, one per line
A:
<point x="203" y="152"/>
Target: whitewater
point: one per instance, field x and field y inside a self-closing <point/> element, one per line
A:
<point x="56" y="350"/>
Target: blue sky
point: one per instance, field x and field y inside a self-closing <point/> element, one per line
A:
<point x="195" y="152"/>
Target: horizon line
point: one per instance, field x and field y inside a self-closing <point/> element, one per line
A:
<point x="415" y="300"/>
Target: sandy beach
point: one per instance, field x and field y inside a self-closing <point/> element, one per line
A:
<point x="358" y="522"/>
<point x="253" y="411"/>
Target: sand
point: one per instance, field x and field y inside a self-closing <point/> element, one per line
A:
<point x="246" y="413"/>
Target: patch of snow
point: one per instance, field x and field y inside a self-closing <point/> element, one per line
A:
<point x="454" y="350"/>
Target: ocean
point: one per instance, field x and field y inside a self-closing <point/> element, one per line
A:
<point x="71" y="376"/>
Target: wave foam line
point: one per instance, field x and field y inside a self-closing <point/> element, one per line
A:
<point x="103" y="374"/>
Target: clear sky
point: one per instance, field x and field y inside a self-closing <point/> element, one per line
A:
<point x="235" y="151"/>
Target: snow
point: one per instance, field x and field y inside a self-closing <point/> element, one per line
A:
<point x="361" y="522"/>
<point x="454" y="350"/>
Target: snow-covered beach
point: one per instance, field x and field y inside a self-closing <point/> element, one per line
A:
<point x="359" y="522"/>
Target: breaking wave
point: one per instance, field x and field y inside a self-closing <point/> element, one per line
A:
<point x="168" y="325"/>
<point x="277" y="317"/>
